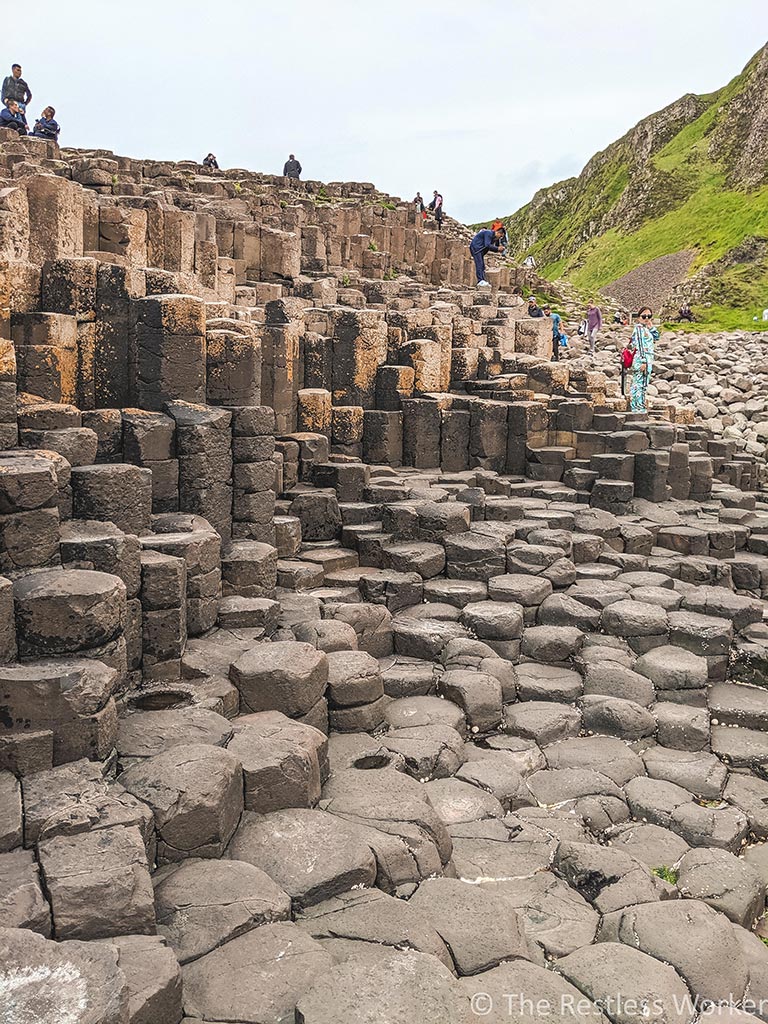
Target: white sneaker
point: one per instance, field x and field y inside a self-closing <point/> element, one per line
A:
<point x="483" y="284"/>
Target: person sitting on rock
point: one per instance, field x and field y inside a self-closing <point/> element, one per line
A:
<point x="15" y="88"/>
<point x="292" y="168"/>
<point x="211" y="162"/>
<point x="11" y="117"/>
<point x="46" y="127"/>
<point x="685" y="313"/>
<point x="533" y="307"/>
<point x="485" y="241"/>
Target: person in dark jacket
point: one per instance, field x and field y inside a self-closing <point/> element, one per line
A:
<point x="46" y="127"/>
<point x="292" y="168"/>
<point x="436" y="206"/>
<point x="533" y="307"/>
<point x="211" y="162"/>
<point x="484" y="241"/>
<point x="15" y="88"/>
<point x="11" y="117"/>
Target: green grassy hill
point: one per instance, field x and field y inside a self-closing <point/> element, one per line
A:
<point x="693" y="176"/>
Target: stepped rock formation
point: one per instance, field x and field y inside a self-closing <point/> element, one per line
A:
<point x="357" y="662"/>
<point x="693" y="176"/>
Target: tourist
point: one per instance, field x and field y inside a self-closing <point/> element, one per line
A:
<point x="529" y="262"/>
<point x="46" y="127"/>
<point x="11" y="117"/>
<point x="594" y="318"/>
<point x="15" y="88"/>
<point x="533" y="307"/>
<point x="211" y="162"/>
<point x="485" y="241"/>
<point x="559" y="338"/>
<point x="418" y="202"/>
<point x="436" y="206"/>
<point x="644" y="338"/>
<point x="685" y="313"/>
<point x="292" y="168"/>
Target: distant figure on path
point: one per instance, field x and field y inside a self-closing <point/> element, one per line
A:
<point x="12" y="117"/>
<point x="437" y="208"/>
<point x="46" y="127"/>
<point x="292" y="168"/>
<point x="485" y="241"/>
<point x="15" y="88"/>
<point x="211" y="162"/>
<point x="594" y="318"/>
<point x="644" y="338"/>
<point x="533" y="307"/>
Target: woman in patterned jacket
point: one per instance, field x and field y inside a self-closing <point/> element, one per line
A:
<point x="644" y="338"/>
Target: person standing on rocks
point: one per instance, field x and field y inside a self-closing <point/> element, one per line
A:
<point x="15" y="88"/>
<point x="292" y="168"/>
<point x="594" y="318"/>
<point x="644" y="338"/>
<point x="437" y="208"/>
<point x="558" y="337"/>
<point x="485" y="241"/>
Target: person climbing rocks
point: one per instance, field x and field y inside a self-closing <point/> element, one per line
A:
<point x="15" y="88"/>
<point x="11" y="117"/>
<point x="594" y="318"/>
<point x="643" y="341"/>
<point x="534" y="309"/>
<point x="485" y="241"/>
<point x="292" y="168"/>
<point x="436" y="206"/>
<point x="559" y="338"/>
<point x="46" y="127"/>
<point x="211" y="162"/>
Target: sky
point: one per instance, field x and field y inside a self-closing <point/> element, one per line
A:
<point x="484" y="100"/>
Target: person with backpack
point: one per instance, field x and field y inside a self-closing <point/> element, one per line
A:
<point x="643" y="341"/>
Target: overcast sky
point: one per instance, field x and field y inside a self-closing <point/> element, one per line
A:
<point x="484" y="100"/>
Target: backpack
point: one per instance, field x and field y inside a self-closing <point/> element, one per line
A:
<point x="627" y="357"/>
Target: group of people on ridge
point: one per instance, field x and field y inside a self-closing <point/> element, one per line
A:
<point x="16" y="96"/>
<point x="435" y="207"/>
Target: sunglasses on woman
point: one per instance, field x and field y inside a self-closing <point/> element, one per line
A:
<point x="646" y="316"/>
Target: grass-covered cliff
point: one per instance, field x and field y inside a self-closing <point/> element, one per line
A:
<point x="693" y="176"/>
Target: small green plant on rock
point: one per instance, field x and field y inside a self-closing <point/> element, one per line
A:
<point x="373" y="247"/>
<point x="345" y="281"/>
<point x="390" y="275"/>
<point x="670" y="875"/>
<point x="114" y="179"/>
